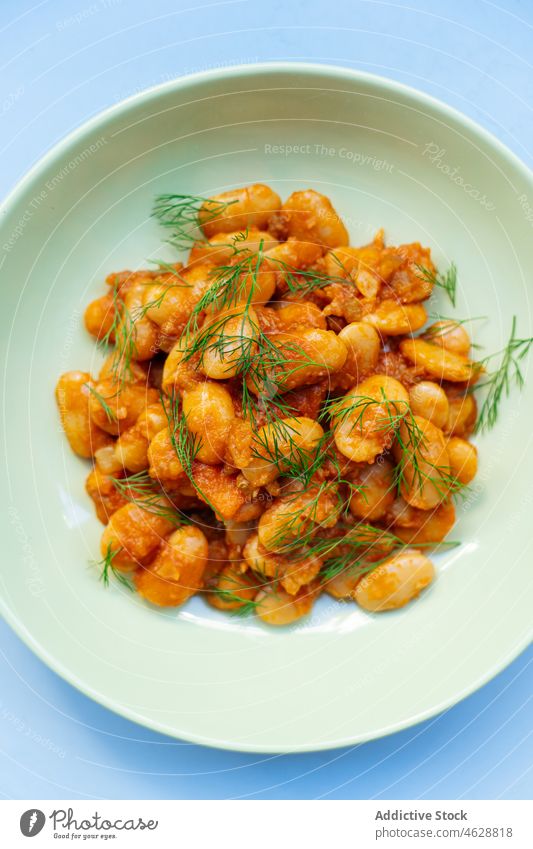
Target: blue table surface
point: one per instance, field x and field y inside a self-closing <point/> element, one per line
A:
<point x="62" y="62"/>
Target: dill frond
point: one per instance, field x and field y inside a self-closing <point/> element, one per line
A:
<point x="111" y="416"/>
<point x="411" y="442"/>
<point x="292" y="461"/>
<point x="107" y="569"/>
<point x="179" y="213"/>
<point x="155" y="303"/>
<point x="358" y="560"/>
<point x="186" y="445"/>
<point x="122" y="334"/>
<point x="139" y="489"/>
<point x="301" y="520"/>
<point x="447" y="282"/>
<point x="246" y="606"/>
<point x="305" y="281"/>
<point x="500" y="382"/>
<point x="448" y="324"/>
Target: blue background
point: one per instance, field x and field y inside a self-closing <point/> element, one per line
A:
<point x="65" y="60"/>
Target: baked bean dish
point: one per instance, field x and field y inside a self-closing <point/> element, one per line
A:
<point x="283" y="415"/>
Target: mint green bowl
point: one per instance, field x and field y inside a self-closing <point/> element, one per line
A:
<point x="388" y="157"/>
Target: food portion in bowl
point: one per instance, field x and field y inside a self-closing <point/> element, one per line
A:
<point x="277" y="417"/>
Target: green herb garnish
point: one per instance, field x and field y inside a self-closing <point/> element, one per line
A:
<point x="500" y="382"/>
<point x="107" y="569"/>
<point x="447" y="281"/>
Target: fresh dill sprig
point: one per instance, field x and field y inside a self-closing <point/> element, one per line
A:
<point x="410" y="447"/>
<point x="139" y="489"/>
<point x="413" y="469"/>
<point x="447" y="281"/>
<point x="109" y="337"/>
<point x="179" y="213"/>
<point x="353" y="547"/>
<point x="355" y="561"/>
<point x="111" y="416"/>
<point x="186" y="445"/>
<point x="233" y="283"/>
<point x="281" y="362"/>
<point x="122" y="334"/>
<point x="263" y="366"/>
<point x="448" y="324"/>
<point x="169" y="268"/>
<point x="357" y="407"/>
<point x="215" y="337"/>
<point x="107" y="569"/>
<point x="238" y="280"/>
<point x="301" y="523"/>
<point x="500" y="382"/>
<point x="156" y="302"/>
<point x="292" y="461"/>
<point x="246" y="606"/>
<point x="304" y="281"/>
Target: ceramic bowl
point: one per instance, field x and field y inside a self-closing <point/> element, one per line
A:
<point x="387" y="156"/>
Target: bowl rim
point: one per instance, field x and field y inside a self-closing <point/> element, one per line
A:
<point x="234" y="72"/>
<point x="55" y="152"/>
